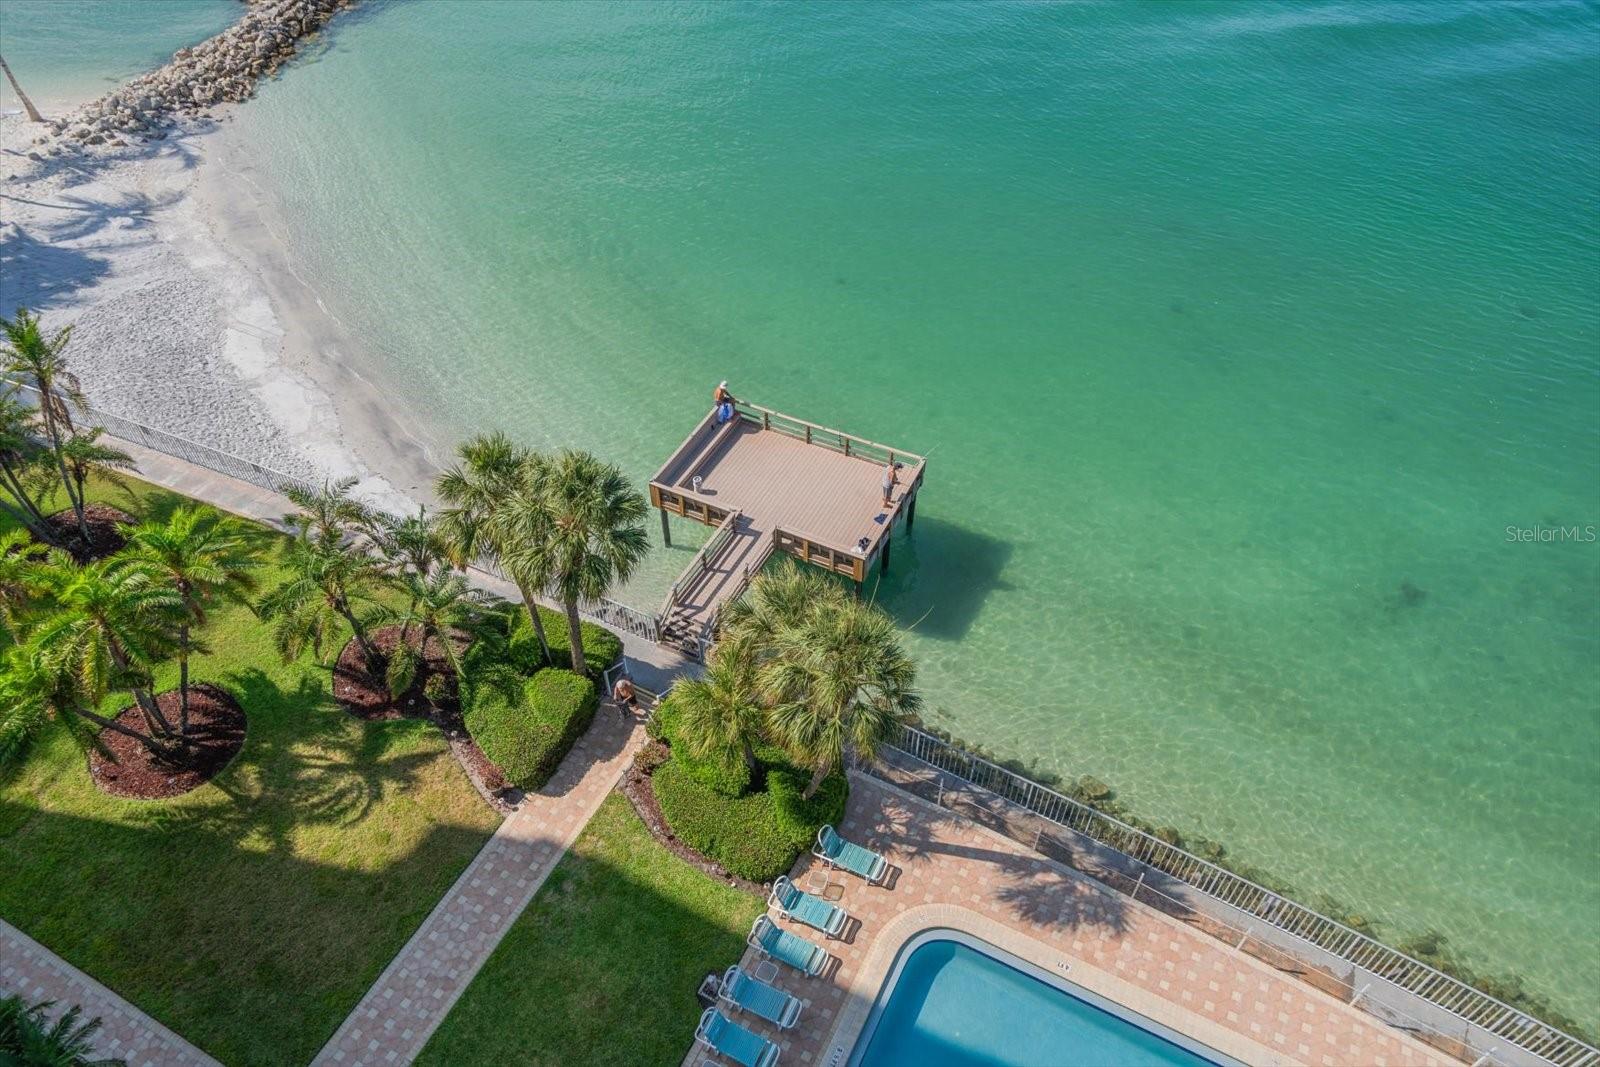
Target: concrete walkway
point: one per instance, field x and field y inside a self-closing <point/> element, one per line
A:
<point x="651" y="666"/>
<point x="33" y="972"/>
<point x="418" y="989"/>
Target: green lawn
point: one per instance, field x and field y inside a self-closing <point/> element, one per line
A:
<point x="251" y="914"/>
<point x="603" y="966"/>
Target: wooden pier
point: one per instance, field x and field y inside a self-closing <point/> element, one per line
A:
<point x="769" y="483"/>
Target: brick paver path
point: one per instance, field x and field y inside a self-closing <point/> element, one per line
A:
<point x="33" y="972"/>
<point x="417" y="990"/>
<point x="951" y="872"/>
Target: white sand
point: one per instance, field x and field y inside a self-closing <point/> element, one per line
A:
<point x="188" y="315"/>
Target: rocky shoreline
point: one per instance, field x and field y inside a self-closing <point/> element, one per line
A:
<point x="222" y="69"/>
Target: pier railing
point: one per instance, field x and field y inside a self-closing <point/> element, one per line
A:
<point x="605" y="611"/>
<point x="1403" y="991"/>
<point x="701" y="562"/>
<point x="814" y="434"/>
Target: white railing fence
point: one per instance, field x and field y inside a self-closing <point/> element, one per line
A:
<point x="1404" y="991"/>
<point x="604" y="611"/>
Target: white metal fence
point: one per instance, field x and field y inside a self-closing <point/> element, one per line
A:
<point x="1402" y="990"/>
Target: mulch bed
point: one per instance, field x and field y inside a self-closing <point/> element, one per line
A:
<point x="216" y="733"/>
<point x="368" y="699"/>
<point x="639" y="787"/>
<point x="105" y="531"/>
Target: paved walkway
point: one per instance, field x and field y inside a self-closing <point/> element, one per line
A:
<point x="30" y="970"/>
<point x="418" y="989"/>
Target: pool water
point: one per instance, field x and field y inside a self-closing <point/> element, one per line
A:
<point x="953" y="1005"/>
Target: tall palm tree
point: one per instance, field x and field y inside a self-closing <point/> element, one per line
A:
<point x="108" y="622"/>
<point x="29" y="1039"/>
<point x="204" y="557"/>
<point x="329" y="583"/>
<point x="584" y="527"/>
<point x="492" y="474"/>
<point x="778" y="600"/>
<point x="18" y="450"/>
<point x="438" y="605"/>
<point x="327" y="512"/>
<point x="30" y="355"/>
<point x="720" y="714"/>
<point x="838" y="681"/>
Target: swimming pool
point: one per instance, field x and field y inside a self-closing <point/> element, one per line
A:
<point x="956" y="1001"/>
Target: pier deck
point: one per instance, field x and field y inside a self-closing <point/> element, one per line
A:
<point x="772" y="483"/>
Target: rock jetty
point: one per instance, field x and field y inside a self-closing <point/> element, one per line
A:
<point x="223" y="69"/>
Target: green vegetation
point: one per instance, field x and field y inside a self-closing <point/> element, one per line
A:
<point x="601" y="647"/>
<point x="527" y="737"/>
<point x="29" y="1039"/>
<point x="570" y="522"/>
<point x="753" y="825"/>
<point x="251" y="914"/>
<point x="602" y="967"/>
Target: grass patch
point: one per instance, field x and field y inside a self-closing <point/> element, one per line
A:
<point x="602" y="967"/>
<point x="252" y="914"/>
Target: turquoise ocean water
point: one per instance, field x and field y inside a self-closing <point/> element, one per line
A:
<point x="65" y="52"/>
<point x="1239" y="334"/>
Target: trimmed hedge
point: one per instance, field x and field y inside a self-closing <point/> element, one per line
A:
<point x="730" y="777"/>
<point x="601" y="647"/>
<point x="526" y="734"/>
<point x="756" y="836"/>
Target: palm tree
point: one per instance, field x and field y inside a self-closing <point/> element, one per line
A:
<point x="17" y="559"/>
<point x="480" y="489"/>
<point x="584" y="527"/>
<point x="112" y="622"/>
<point x="408" y="546"/>
<point x="85" y="455"/>
<point x="29" y="354"/>
<point x="778" y="600"/>
<point x="107" y="622"/>
<point x="204" y="558"/>
<point x="329" y="582"/>
<point x="29" y="1039"/>
<point x="720" y="714"/>
<point x="326" y="512"/>
<point x="838" y="681"/>
<point x="18" y="450"/>
<point x="439" y="605"/>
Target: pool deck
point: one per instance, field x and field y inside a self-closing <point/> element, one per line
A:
<point x="950" y="872"/>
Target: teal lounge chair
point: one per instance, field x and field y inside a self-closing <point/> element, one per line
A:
<point x="741" y="991"/>
<point x="774" y="943"/>
<point x="835" y="851"/>
<point x="727" y="1038"/>
<point x="797" y="904"/>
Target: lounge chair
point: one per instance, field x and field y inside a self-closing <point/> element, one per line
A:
<point x="778" y="944"/>
<point x="741" y="991"/>
<point x="835" y="851"/>
<point x="795" y="903"/>
<point x="727" y="1038"/>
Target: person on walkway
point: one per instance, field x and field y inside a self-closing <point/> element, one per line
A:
<point x="891" y="478"/>
<point x="625" y="696"/>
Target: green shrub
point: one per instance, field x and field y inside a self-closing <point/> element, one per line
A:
<point x="730" y="777"/>
<point x="601" y="647"/>
<point x="527" y="735"/>
<point x="755" y="836"/>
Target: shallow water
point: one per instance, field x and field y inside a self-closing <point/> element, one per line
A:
<point x="1239" y="335"/>
<point x="64" y="52"/>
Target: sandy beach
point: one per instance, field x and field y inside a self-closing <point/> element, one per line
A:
<point x="187" y="314"/>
